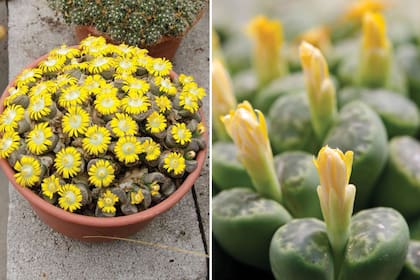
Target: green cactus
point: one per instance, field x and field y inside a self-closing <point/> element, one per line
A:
<point x="411" y="270"/>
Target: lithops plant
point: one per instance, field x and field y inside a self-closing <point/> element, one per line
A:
<point x="102" y="129"/>
<point x="370" y="245"/>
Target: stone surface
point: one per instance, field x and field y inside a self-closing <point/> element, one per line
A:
<point x="37" y="252"/>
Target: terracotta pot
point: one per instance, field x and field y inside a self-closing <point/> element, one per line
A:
<point x="79" y="226"/>
<point x="165" y="47"/>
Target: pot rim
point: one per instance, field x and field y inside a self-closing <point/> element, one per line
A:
<point x="101" y="222"/>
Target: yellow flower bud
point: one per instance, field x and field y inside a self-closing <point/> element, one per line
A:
<point x="374" y="32"/>
<point x="318" y="36"/>
<point x="356" y="10"/>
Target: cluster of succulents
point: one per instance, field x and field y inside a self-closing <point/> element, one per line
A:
<point x="350" y="86"/>
<point x="102" y="129"/>
<point x="134" y="22"/>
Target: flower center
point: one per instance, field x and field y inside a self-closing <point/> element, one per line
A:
<point x="11" y="115"/>
<point x="50" y="62"/>
<point x="38" y="105"/>
<point x="6" y="143"/>
<point x="27" y="170"/>
<point x="159" y="66"/>
<point x="181" y="133"/>
<point x="101" y="173"/>
<point x="128" y="148"/>
<point x="72" y="95"/>
<point x="135" y="102"/>
<point x="108" y="201"/>
<point x="123" y="125"/>
<point x="155" y="123"/>
<point x="70" y="198"/>
<point x="100" y="62"/>
<point x="173" y="163"/>
<point x="38" y="137"/>
<point x="165" y="83"/>
<point x="96" y="138"/>
<point x="107" y="102"/>
<point x="68" y="161"/>
<point x="75" y="121"/>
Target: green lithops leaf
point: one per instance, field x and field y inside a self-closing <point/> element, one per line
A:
<point x="408" y="57"/>
<point x="298" y="179"/>
<point x="360" y="130"/>
<point x="398" y="113"/>
<point x="377" y="245"/>
<point x="300" y="250"/>
<point x="244" y="223"/>
<point x="228" y="172"/>
<point x="411" y="270"/>
<point x="399" y="186"/>
<point x="290" y="126"/>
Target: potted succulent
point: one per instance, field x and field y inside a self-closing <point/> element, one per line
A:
<point x="101" y="130"/>
<point x="155" y="25"/>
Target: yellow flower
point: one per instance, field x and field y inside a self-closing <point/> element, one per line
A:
<point x="374" y="32"/>
<point x="65" y="52"/>
<point x="39" y="138"/>
<point x="154" y="188"/>
<point x="201" y="128"/>
<point x="97" y="140"/>
<point x="65" y="80"/>
<point x="108" y="89"/>
<point x="125" y="65"/>
<point x="75" y="121"/>
<point x="107" y="201"/>
<point x="134" y="85"/>
<point x="184" y="79"/>
<point x="164" y="103"/>
<point x="92" y="41"/>
<point x="136" y="197"/>
<point x="248" y="130"/>
<point x="100" y="64"/>
<point x="123" y="124"/>
<point x="98" y="50"/>
<point x="335" y="194"/>
<point x="188" y="102"/>
<point x="44" y="87"/>
<point x="70" y="197"/>
<point x="50" y="186"/>
<point x="94" y="83"/>
<point x="142" y="59"/>
<point x="75" y="64"/>
<point x="9" y="143"/>
<point x="125" y="50"/>
<point x="318" y="36"/>
<point x="159" y="67"/>
<point x="28" y="76"/>
<point x="28" y="171"/>
<point x="9" y="119"/>
<point x="174" y="162"/>
<point x="15" y="92"/>
<point x="52" y="64"/>
<point x="181" y="133"/>
<point x="135" y="103"/>
<point x="156" y="122"/>
<point x="165" y="85"/>
<point x="101" y="173"/>
<point x="107" y="104"/>
<point x="127" y="149"/>
<point x="151" y="148"/>
<point x="39" y="106"/>
<point x="68" y="162"/>
<point x="358" y="9"/>
<point x="268" y="37"/>
<point x="193" y="89"/>
<point x="72" y="96"/>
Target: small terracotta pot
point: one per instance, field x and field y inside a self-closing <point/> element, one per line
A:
<point x="165" y="47"/>
<point x="81" y="227"/>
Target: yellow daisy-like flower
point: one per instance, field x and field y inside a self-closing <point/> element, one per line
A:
<point x="75" y="121"/>
<point x="66" y="52"/>
<point x="188" y="102"/>
<point x="181" y="133"/>
<point x="165" y="85"/>
<point x="9" y="119"/>
<point x="152" y="149"/>
<point x="39" y="138"/>
<point x="39" y="106"/>
<point x="15" y="92"/>
<point x="164" y="103"/>
<point x="174" y="162"/>
<point x="142" y="59"/>
<point x="65" y="80"/>
<point x="107" y="104"/>
<point x="185" y="79"/>
<point x="193" y="89"/>
<point x="52" y="64"/>
<point x="135" y="103"/>
<point x="127" y="149"/>
<point x="9" y="143"/>
<point x="75" y="64"/>
<point x="201" y="128"/>
<point x="122" y="76"/>
<point x="100" y="64"/>
<point x="68" y="162"/>
<point x="106" y="202"/>
<point x="136" y="197"/>
<point x="97" y="140"/>
<point x="108" y="89"/>
<point x="92" y="41"/>
<point x="123" y="124"/>
<point x="156" y="122"/>
<point x="28" y="76"/>
<point x="70" y="197"/>
<point x="154" y="188"/>
<point x="134" y="85"/>
<point x="72" y="96"/>
<point x="101" y="174"/>
<point x="28" y="171"/>
<point x="94" y="83"/>
<point x="98" y="50"/>
<point x="159" y="67"/>
<point x="125" y="65"/>
<point x="50" y="186"/>
<point x="124" y="50"/>
<point x="43" y="87"/>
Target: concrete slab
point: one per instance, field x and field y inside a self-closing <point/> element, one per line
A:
<point x="37" y="252"/>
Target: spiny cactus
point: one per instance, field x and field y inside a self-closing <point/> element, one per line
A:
<point x="133" y="22"/>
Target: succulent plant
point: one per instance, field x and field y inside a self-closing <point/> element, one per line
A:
<point x="134" y="22"/>
<point x="102" y="129"/>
